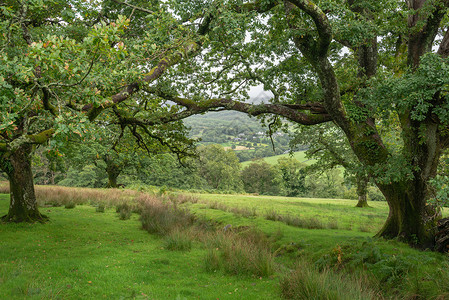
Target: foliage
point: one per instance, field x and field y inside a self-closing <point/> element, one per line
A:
<point x="261" y="178"/>
<point x="293" y="176"/>
<point x="220" y="168"/>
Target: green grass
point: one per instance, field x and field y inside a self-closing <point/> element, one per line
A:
<point x="83" y="254"/>
<point x="272" y="160"/>
<point x="341" y="211"/>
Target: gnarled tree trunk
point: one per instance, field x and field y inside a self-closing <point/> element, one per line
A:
<point x="23" y="204"/>
<point x="409" y="219"/>
<point x="113" y="171"/>
<point x="362" y="191"/>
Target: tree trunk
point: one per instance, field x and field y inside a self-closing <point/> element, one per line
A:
<point x="23" y="204"/>
<point x="362" y="191"/>
<point x="409" y="219"/>
<point x="113" y="173"/>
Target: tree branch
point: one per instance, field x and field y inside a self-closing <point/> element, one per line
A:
<point x="190" y="48"/>
<point x="133" y="6"/>
<point x="443" y="49"/>
<point x="321" y="22"/>
<point x="252" y="109"/>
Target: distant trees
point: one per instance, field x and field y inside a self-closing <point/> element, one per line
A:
<point x="329" y="147"/>
<point x="262" y="178"/>
<point x="220" y="168"/>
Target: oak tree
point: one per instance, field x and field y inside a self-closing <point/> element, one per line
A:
<point x="359" y="64"/>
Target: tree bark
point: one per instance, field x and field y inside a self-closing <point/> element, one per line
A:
<point x="113" y="173"/>
<point x="23" y="204"/>
<point x="410" y="219"/>
<point x="362" y="191"/>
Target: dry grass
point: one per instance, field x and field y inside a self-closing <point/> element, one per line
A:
<point x="58" y="196"/>
<point x="162" y="218"/>
<point x="4" y="187"/>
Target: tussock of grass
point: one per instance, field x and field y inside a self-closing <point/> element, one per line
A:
<point x="178" y="240"/>
<point x="306" y="282"/>
<point x="161" y="218"/>
<point x="60" y="196"/>
<point x="100" y="208"/>
<point x="245" y="212"/>
<point x="70" y="205"/>
<point x="124" y="210"/>
<point x="179" y="198"/>
<point x="240" y="253"/>
<point x="272" y="215"/>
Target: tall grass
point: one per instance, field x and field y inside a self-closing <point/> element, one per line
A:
<point x="236" y="253"/>
<point x="162" y="217"/>
<point x="60" y="196"/>
<point x="306" y="282"/>
<point x="4" y="187"/>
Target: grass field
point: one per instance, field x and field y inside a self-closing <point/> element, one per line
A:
<point x="81" y="254"/>
<point x="272" y="160"/>
<point x="84" y="254"/>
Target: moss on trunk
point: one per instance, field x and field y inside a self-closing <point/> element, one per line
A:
<point x="23" y="204"/>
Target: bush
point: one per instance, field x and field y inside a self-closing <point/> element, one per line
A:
<point x="374" y="194"/>
<point x="350" y="194"/>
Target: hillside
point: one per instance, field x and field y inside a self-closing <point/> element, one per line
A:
<point x="238" y="131"/>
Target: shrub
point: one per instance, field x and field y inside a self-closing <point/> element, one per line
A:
<point x="374" y="194"/>
<point x="350" y="194"/>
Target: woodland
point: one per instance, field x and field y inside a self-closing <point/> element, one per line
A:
<point x="363" y="82"/>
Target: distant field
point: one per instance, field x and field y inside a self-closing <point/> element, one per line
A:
<point x="272" y="160"/>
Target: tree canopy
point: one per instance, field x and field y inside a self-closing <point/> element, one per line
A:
<point x="363" y="65"/>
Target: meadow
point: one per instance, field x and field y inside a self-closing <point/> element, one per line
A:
<point x="127" y="244"/>
<point x="272" y="160"/>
